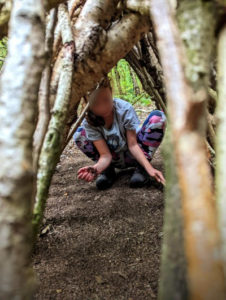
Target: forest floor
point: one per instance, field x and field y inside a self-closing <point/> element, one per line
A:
<point x="99" y="245"/>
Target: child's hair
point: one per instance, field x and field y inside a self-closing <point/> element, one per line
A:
<point x="91" y="118"/>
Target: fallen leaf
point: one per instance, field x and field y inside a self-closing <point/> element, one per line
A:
<point x="141" y="233"/>
<point x="45" y="230"/>
<point x="99" y="279"/>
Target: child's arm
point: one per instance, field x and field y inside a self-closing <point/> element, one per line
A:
<point x="105" y="155"/>
<point x="137" y="152"/>
<point x="89" y="173"/>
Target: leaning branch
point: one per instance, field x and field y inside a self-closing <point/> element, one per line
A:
<point x="51" y="149"/>
<point x="44" y="107"/>
<point x="77" y="123"/>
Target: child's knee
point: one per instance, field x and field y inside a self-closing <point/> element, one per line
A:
<point x="157" y="118"/>
<point x="76" y="137"/>
<point x="79" y="135"/>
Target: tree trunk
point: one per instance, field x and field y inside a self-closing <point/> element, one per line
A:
<point x="134" y="81"/>
<point x="51" y="149"/>
<point x="220" y="143"/>
<point x="18" y="100"/>
<point x="187" y="112"/>
<point x="117" y="77"/>
<point x="173" y="281"/>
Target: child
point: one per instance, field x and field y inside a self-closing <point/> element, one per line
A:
<point x="111" y="136"/>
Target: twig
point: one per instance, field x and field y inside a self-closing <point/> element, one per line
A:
<point x="77" y="124"/>
<point x="44" y="109"/>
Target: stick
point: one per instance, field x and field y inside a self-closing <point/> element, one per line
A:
<point x="76" y="125"/>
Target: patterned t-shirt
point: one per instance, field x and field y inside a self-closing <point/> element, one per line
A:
<point x="125" y="118"/>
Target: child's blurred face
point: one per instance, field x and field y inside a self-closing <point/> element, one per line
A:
<point x="103" y="104"/>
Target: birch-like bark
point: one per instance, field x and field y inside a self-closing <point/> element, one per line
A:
<point x="173" y="275"/>
<point x="18" y="101"/>
<point x="105" y="54"/>
<point x="94" y="17"/>
<point x="187" y="111"/>
<point x="5" y="10"/>
<point x="196" y="20"/>
<point x="220" y="143"/>
<point x="141" y="6"/>
<point x="44" y="107"/>
<point x="51" y="149"/>
<point x="74" y="8"/>
<point x="96" y="49"/>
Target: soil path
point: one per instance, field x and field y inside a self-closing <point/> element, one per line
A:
<point x="99" y="245"/>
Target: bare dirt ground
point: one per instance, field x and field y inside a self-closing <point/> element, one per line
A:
<point x="99" y="245"/>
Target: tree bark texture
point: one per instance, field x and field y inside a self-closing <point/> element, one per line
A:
<point x="51" y="149"/>
<point x="18" y="100"/>
<point x="187" y="116"/>
<point x="173" y="270"/>
<point x="220" y="143"/>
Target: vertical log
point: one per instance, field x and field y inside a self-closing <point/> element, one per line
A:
<point x="187" y="112"/>
<point x="173" y="281"/>
<point x="18" y="101"/>
<point x="51" y="149"/>
<point x="220" y="143"/>
<point x="196" y="19"/>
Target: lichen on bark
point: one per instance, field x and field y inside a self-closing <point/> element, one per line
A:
<point x="173" y="281"/>
<point x="196" y="20"/>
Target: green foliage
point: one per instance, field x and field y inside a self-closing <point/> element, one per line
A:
<point x="3" y="51"/>
<point x="125" y="82"/>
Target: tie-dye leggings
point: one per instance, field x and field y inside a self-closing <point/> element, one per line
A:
<point x="149" y="138"/>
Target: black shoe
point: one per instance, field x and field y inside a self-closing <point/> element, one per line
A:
<point x="139" y="178"/>
<point x="106" y="179"/>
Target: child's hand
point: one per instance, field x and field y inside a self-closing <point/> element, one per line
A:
<point x="158" y="176"/>
<point x="87" y="173"/>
